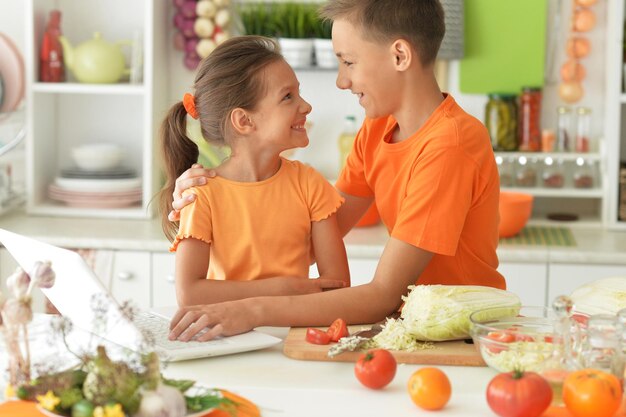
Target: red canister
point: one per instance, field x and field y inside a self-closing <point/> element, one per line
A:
<point x="529" y="120"/>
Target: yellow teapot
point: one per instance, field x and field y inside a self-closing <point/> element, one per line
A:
<point x="96" y="60"/>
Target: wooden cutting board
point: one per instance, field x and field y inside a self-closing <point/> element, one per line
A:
<point x="455" y="352"/>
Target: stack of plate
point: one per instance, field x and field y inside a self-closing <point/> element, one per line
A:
<point x="97" y="189"/>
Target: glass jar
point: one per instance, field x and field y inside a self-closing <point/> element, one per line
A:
<point x="602" y="346"/>
<point x="553" y="175"/>
<point x="505" y="170"/>
<point x="584" y="173"/>
<point x="501" y="121"/>
<point x="564" y="129"/>
<point x="583" y="129"/>
<point x="529" y="120"/>
<point x="526" y="172"/>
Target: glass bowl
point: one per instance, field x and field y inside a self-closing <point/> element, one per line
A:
<point x="521" y="342"/>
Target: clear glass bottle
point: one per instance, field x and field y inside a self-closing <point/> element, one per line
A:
<point x="505" y="170"/>
<point x="553" y="175"/>
<point x="601" y="349"/>
<point x="584" y="173"/>
<point x="563" y="360"/>
<point x="564" y="129"/>
<point x="526" y="172"/>
<point x="346" y="139"/>
<point x="583" y="129"/>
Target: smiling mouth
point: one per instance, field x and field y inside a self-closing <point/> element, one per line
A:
<point x="299" y="126"/>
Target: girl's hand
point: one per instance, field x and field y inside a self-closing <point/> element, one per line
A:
<point x="196" y="175"/>
<point x="223" y="319"/>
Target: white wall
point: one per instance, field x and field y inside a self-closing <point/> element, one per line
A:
<point x="330" y="104"/>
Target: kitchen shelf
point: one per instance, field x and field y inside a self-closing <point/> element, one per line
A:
<point x="78" y="88"/>
<point x="62" y="116"/>
<point x="565" y="156"/>
<point x="558" y="192"/>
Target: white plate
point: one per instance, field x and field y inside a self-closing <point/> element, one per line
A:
<point x="51" y="414"/>
<point x="97" y="185"/>
<point x="12" y="70"/>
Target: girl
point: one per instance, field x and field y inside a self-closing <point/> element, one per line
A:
<point x="250" y="231"/>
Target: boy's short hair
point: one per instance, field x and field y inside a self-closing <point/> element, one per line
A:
<point x="420" y="22"/>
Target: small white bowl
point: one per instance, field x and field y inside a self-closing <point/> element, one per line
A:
<point x="97" y="156"/>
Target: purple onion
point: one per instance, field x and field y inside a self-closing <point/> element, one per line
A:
<point x="179" y="3"/>
<point x="179" y="20"/>
<point x="189" y="9"/>
<point x="187" y="28"/>
<point x="190" y="44"/>
<point x="192" y="60"/>
<point x="179" y="41"/>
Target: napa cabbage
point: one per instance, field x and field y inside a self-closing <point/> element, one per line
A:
<point x="441" y="312"/>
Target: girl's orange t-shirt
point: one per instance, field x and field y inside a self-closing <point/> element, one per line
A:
<point x="259" y="229"/>
<point x="437" y="190"/>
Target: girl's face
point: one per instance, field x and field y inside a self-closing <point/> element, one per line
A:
<point x="365" y="68"/>
<point x="279" y="117"/>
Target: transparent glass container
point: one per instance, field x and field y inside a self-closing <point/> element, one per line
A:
<point x="564" y="129"/>
<point x="601" y="349"/>
<point x="584" y="175"/>
<point x="529" y="131"/>
<point x="553" y="174"/>
<point x="501" y="121"/>
<point x="583" y="129"/>
<point x="505" y="170"/>
<point x="526" y="172"/>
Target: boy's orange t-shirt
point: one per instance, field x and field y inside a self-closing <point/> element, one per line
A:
<point x="437" y="190"/>
<point x="259" y="229"/>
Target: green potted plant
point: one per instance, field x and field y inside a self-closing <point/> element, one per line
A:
<point x="293" y="27"/>
<point x="257" y="18"/>
<point x="322" y="44"/>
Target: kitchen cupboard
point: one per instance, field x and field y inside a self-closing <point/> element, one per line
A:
<point x="163" y="290"/>
<point x="565" y="278"/>
<point x="61" y="116"/>
<point x="131" y="279"/>
<point x="528" y="280"/>
<point x="615" y="118"/>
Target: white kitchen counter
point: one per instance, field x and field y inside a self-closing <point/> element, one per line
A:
<point x="285" y="387"/>
<point x="594" y="244"/>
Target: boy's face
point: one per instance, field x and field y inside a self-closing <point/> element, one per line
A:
<point x="281" y="114"/>
<point x="365" y="68"/>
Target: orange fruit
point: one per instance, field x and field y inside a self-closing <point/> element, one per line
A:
<point x="429" y="388"/>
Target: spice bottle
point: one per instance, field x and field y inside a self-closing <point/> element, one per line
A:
<point x="564" y="129"/>
<point x="346" y="139"/>
<point x="501" y="121"/>
<point x="552" y="175"/>
<point x="583" y="127"/>
<point x="51" y="67"/>
<point x="526" y="172"/>
<point x="584" y="173"/>
<point x="529" y="131"/>
<point x="505" y="170"/>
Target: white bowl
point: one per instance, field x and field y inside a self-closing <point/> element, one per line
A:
<point x="97" y="156"/>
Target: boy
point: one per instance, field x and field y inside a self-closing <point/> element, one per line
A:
<point x="427" y="164"/>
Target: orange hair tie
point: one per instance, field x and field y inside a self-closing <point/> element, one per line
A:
<point x="189" y="102"/>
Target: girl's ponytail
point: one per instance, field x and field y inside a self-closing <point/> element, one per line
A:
<point x="178" y="153"/>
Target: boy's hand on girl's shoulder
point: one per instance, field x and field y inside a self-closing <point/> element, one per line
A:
<point x="194" y="176"/>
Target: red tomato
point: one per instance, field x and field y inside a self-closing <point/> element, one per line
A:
<point x="502" y="337"/>
<point x="317" y="336"/>
<point x="375" y="368"/>
<point x="519" y="394"/>
<point x="337" y="330"/>
<point x="592" y="393"/>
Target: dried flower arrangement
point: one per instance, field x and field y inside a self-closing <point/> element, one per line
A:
<point x="98" y="386"/>
<point x="17" y="312"/>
